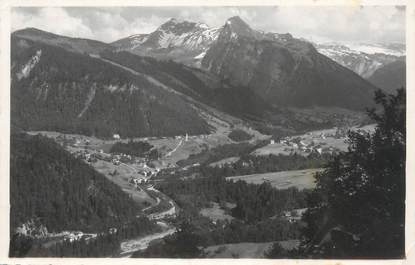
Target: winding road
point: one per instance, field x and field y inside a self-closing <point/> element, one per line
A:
<point x="130" y="246"/>
<point x="175" y="149"/>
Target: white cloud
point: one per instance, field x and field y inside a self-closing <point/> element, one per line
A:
<point x="54" y="20"/>
<point x="102" y="24"/>
<point x="340" y="23"/>
<point x="112" y="26"/>
<point x="375" y="24"/>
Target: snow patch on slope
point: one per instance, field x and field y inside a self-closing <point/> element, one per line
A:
<point x="375" y="48"/>
<point x="359" y="48"/>
<point x="27" y="68"/>
<point x="200" y="56"/>
<point x="190" y="40"/>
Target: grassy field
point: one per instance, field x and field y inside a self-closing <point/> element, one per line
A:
<point x="301" y="179"/>
<point x="245" y="250"/>
<point x="215" y="213"/>
<point x="121" y="179"/>
<point x="228" y="160"/>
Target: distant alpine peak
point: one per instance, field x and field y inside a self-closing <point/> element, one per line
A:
<point x="175" y="20"/>
<point x="179" y="26"/>
<point x="236" y="20"/>
<point x="235" y="25"/>
<point x="393" y="49"/>
<point x="363" y="59"/>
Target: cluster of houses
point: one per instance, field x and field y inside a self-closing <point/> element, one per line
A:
<point x="36" y="230"/>
<point x="72" y="140"/>
<point x="33" y="229"/>
<point x="117" y="159"/>
<point x="144" y="174"/>
<point x="86" y="155"/>
<point x="316" y="146"/>
<point x="184" y="137"/>
<point x="294" y="215"/>
<point x="187" y="137"/>
<point x="77" y="235"/>
<point x="143" y="171"/>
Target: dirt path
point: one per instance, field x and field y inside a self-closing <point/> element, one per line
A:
<point x="151" y="206"/>
<point x="175" y="149"/>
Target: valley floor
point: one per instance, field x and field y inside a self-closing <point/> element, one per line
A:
<point x="159" y="207"/>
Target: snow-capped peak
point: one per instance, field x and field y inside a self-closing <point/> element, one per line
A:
<point x="376" y="48"/>
<point x="367" y="48"/>
<point x="202" y="25"/>
<point x="363" y="59"/>
<point x="185" y="34"/>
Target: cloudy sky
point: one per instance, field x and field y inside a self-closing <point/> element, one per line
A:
<point x="320" y="24"/>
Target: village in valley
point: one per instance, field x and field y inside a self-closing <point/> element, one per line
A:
<point x="136" y="175"/>
<point x="327" y="141"/>
<point x="139" y="171"/>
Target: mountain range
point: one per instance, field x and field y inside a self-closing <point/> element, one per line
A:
<point x="245" y="52"/>
<point x="188" y="42"/>
<point x="165" y="82"/>
<point x="283" y="70"/>
<point x="366" y="59"/>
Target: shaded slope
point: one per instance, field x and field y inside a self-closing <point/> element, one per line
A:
<point x="198" y="84"/>
<point x="61" y="192"/>
<point x="390" y="77"/>
<point x="283" y="70"/>
<point x="54" y="89"/>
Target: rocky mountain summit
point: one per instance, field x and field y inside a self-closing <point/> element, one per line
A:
<point x="182" y="41"/>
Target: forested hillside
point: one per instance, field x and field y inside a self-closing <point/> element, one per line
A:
<point x="205" y="87"/>
<point x="51" y="191"/>
<point x="390" y="77"/>
<point x="62" y="192"/>
<point x="56" y="90"/>
<point x="256" y="215"/>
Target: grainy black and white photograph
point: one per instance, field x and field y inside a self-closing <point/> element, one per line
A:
<point x="261" y="132"/>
